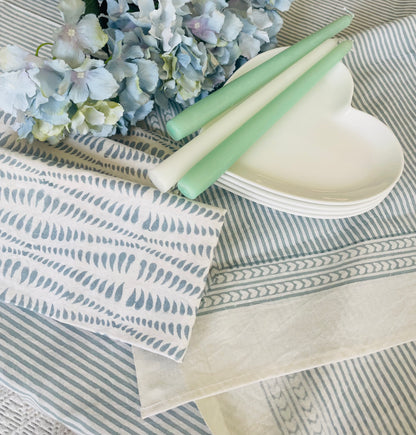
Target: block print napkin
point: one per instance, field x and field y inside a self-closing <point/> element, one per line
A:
<point x="86" y="241"/>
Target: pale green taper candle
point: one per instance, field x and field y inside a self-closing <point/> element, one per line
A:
<point x="203" y="111"/>
<point x="214" y="164"/>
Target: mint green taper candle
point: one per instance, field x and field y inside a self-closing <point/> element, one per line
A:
<point x="203" y="111"/>
<point x="214" y="164"/>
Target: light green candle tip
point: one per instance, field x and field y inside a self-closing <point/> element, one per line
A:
<point x="194" y="117"/>
<point x="214" y="164"/>
<point x="173" y="131"/>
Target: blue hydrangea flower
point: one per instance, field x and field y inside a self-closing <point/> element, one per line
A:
<point x="207" y="26"/>
<point x="77" y="37"/>
<point x="91" y="80"/>
<point x="156" y="51"/>
<point x="51" y="77"/>
<point x="98" y="118"/>
<point x="16" y="91"/>
<point x="13" y="58"/>
<point x="136" y="103"/>
<point x="119" y="65"/>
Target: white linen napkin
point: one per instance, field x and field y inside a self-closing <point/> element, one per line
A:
<point x="86" y="241"/>
<point x="366" y="395"/>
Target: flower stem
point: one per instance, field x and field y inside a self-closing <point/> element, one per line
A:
<point x="40" y="46"/>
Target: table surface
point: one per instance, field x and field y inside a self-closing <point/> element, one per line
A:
<point x="17" y="415"/>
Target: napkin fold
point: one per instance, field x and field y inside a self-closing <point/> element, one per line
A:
<point x="85" y="240"/>
<point x="345" y="397"/>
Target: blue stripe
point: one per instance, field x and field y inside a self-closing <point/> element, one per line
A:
<point x="76" y="374"/>
<point x="49" y="367"/>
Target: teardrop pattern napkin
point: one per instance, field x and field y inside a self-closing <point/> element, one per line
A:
<point x="85" y="240"/>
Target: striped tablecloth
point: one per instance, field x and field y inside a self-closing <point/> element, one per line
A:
<point x="89" y="382"/>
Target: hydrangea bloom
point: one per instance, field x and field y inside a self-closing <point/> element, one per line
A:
<point x="91" y="80"/>
<point x="16" y="91"/>
<point x="101" y="81"/>
<point x="17" y="87"/>
<point x="77" y="37"/>
<point x="97" y="117"/>
<point x="44" y="131"/>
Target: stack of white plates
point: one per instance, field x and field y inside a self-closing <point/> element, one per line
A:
<point x="323" y="159"/>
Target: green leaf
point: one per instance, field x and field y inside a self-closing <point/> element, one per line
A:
<point x="92" y="7"/>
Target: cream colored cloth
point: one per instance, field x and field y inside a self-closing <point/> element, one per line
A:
<point x="240" y="347"/>
<point x="366" y="395"/>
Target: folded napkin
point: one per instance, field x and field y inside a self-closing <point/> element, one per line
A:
<point x="367" y="395"/>
<point x="86" y="241"/>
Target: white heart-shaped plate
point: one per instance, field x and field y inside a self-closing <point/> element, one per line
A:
<point x="322" y="151"/>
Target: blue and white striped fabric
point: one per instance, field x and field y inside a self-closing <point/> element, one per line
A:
<point x="88" y="382"/>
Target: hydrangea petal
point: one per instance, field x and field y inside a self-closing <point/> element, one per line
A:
<point x="13" y="58"/>
<point x="90" y="34"/>
<point x="112" y="110"/>
<point x="142" y="112"/>
<point x="50" y="76"/>
<point x="71" y="10"/>
<point x="78" y="124"/>
<point x="232" y="26"/>
<point x="249" y="46"/>
<point x="79" y="92"/>
<point x="261" y="35"/>
<point x="283" y="5"/>
<point x="24" y="129"/>
<point x="200" y="27"/>
<point x="148" y="75"/>
<point x="94" y="116"/>
<point x="16" y="88"/>
<point x="54" y="111"/>
<point x="101" y="84"/>
<point x="120" y="69"/>
<point x="66" y="48"/>
<point x="116" y="8"/>
<point x="132" y="96"/>
<point x="259" y="18"/>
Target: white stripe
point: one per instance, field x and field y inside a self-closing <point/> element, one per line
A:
<point x="74" y="365"/>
